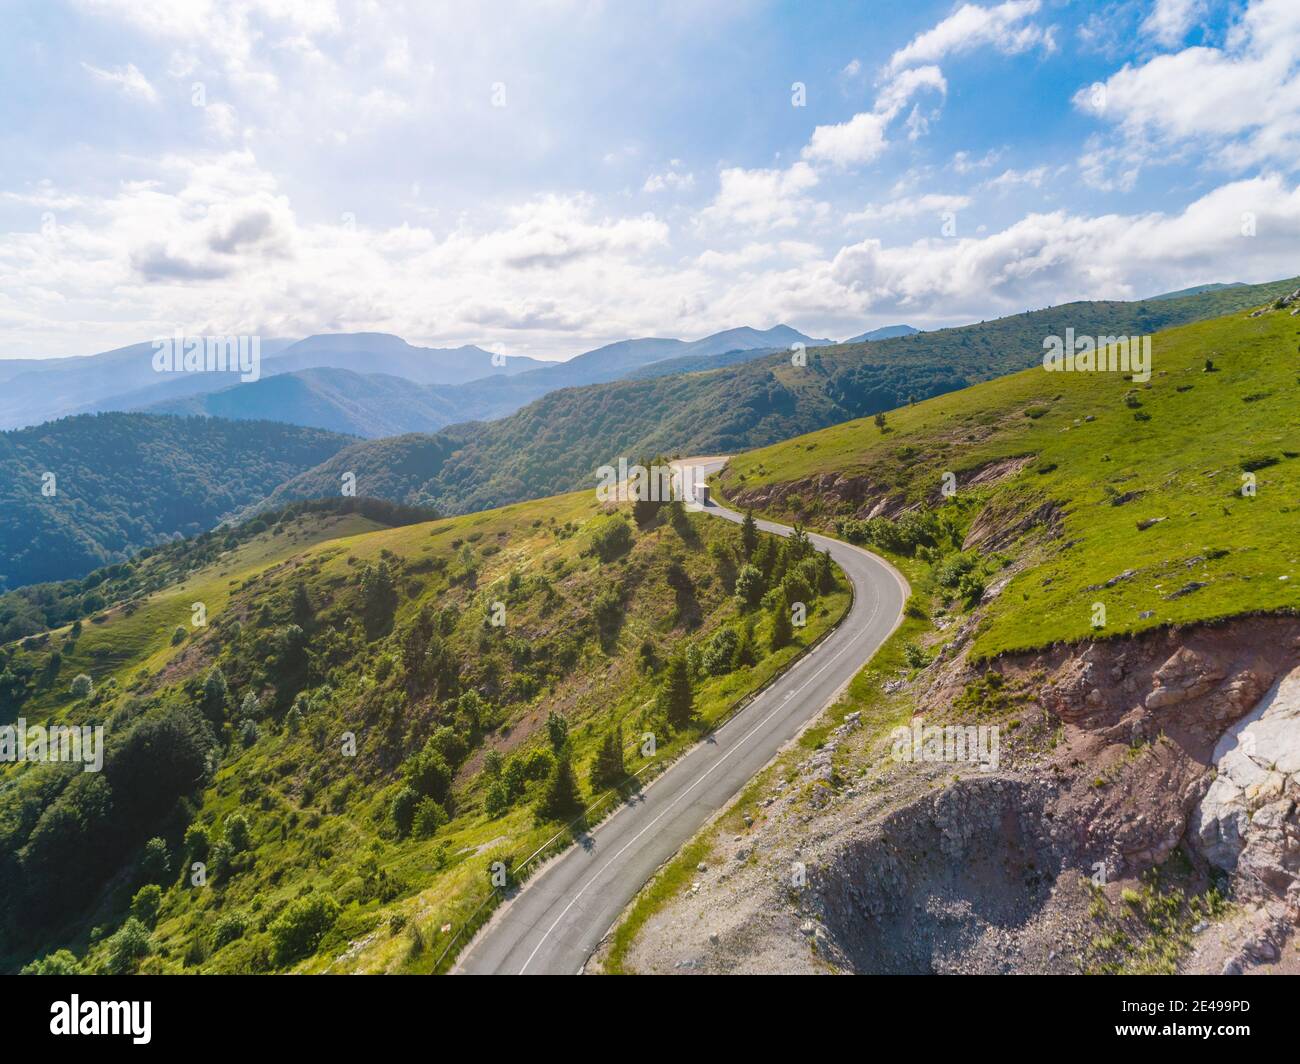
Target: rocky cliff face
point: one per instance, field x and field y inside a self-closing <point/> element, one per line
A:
<point x="1115" y="755"/>
<point x="1248" y="822"/>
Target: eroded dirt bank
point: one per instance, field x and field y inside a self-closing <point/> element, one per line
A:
<point x="1176" y="751"/>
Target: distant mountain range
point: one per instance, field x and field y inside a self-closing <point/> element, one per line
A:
<point x="1217" y="286"/>
<point x="129" y="480"/>
<point x="885" y="332"/>
<point x="37" y="390"/>
<point x="555" y="443"/>
<point x="371" y="384"/>
<point x="387" y="403"/>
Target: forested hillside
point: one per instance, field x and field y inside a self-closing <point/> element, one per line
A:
<point x="86" y="491"/>
<point x="364" y="725"/>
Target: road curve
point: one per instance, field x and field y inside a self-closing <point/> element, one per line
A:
<point x="557" y="919"/>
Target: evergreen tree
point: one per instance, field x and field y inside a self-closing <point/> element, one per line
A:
<point x="644" y="508"/>
<point x="608" y="770"/>
<point x="747" y="650"/>
<point x="798" y="546"/>
<point x="825" y="573"/>
<point x="378" y="597"/>
<point x="557" y="731"/>
<point x="303" y="610"/>
<point x="782" y="626"/>
<point x="560" y="799"/>
<point x="216" y="696"/>
<point x="749" y="534"/>
<point x="676" y="697"/>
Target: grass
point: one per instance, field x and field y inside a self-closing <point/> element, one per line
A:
<point x="1209" y="551"/>
<point x="118" y="644"/>
<point x="319" y="821"/>
<point x="1150" y="930"/>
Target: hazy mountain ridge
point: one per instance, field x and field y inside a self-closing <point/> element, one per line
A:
<point x="885" y="332"/>
<point x="445" y="384"/>
<point x="556" y="443"/>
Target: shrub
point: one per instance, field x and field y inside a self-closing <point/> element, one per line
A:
<point x="428" y="773"/>
<point x="155" y="862"/>
<point x="237" y="835"/>
<point x="127" y="947"/>
<point x="402" y="810"/>
<point x="298" y="930"/>
<point x="557" y="731"/>
<point x="429" y="817"/>
<point x="611" y="539"/>
<point x="145" y="904"/>
<point x="749" y="586"/>
<point x="719" y="656"/>
<point x="82" y="686"/>
<point x="196" y="842"/>
<point x="229" y="927"/>
<point x="497" y="800"/>
<point x="60" y="962"/>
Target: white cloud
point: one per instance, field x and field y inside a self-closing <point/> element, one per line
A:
<point x="932" y="203"/>
<point x="862" y="139"/>
<point x="763" y="199"/>
<point x="970" y="27"/>
<point x="128" y="79"/>
<point x="963" y="162"/>
<point x="1240" y="104"/>
<point x="1169" y="20"/>
<point x="1011" y="178"/>
<point x="1036" y="260"/>
<point x="671" y="179"/>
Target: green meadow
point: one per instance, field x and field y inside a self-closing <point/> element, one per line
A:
<point x="1174" y="500"/>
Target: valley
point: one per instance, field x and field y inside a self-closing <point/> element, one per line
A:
<point x="398" y="719"/>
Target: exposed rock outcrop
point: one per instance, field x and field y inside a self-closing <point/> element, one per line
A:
<point x="1249" y="819"/>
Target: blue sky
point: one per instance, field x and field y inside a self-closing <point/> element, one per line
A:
<point x="544" y="177"/>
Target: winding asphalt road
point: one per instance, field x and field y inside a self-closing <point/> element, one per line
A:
<point x="555" y="922"/>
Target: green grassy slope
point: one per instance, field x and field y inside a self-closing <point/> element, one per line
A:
<point x="302" y="835"/>
<point x="1102" y="457"/>
<point x="556" y="443"/>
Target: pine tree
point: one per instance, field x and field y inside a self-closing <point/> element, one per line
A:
<point x="747" y="651"/>
<point x="608" y="770"/>
<point x="303" y="610"/>
<point x="557" y="731"/>
<point x="378" y="597"/>
<point x="782" y="627"/>
<point x="749" y="534"/>
<point x="825" y="572"/>
<point x="216" y="696"/>
<point x="797" y="546"/>
<point x="676" y="698"/>
<point x="560" y="799"/>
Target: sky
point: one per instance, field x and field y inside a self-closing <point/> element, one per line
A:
<point x="547" y="176"/>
